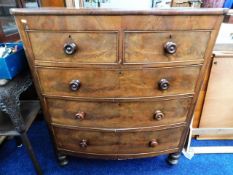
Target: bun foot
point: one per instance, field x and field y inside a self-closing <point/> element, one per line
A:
<point x="173" y="158"/>
<point x="62" y="159"/>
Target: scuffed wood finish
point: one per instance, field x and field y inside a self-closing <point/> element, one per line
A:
<point x="82" y="23"/>
<point x="148" y="47"/>
<point x="117" y="143"/>
<point x="118" y="83"/>
<point x="157" y="23"/>
<point x="131" y="22"/>
<point x="92" y="47"/>
<point x="119" y="62"/>
<point x="118" y="114"/>
<point x="119" y="11"/>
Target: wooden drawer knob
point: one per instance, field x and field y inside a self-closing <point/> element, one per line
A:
<point x="153" y="143"/>
<point x="75" y="85"/>
<point x="163" y="84"/>
<point x="80" y="115"/>
<point x="170" y="47"/>
<point x="158" y="115"/>
<point x="70" y="48"/>
<point x="83" y="143"/>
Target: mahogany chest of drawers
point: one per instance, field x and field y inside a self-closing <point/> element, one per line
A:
<point x="118" y="84"/>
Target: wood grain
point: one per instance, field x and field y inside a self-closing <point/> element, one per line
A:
<point x="217" y="109"/>
<point x="118" y="114"/>
<point x="151" y="23"/>
<point x="112" y="11"/>
<point x="92" y="47"/>
<point x="127" y="23"/>
<point x="201" y="98"/>
<point x="82" y="23"/>
<point x="102" y="83"/>
<point x="115" y="143"/>
<point x="148" y="47"/>
<point x="117" y="96"/>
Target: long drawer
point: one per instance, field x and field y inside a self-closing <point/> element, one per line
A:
<point x="102" y="83"/>
<point x="75" y="47"/>
<point x="116" y="22"/>
<point x="117" y="143"/>
<point x="118" y="114"/>
<point x="167" y="46"/>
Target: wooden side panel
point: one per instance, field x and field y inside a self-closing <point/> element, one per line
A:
<point x="148" y="47"/>
<point x="118" y="83"/>
<point x="201" y="98"/>
<point x="92" y="47"/>
<point x="102" y="142"/>
<point x="218" y="105"/>
<point x="118" y="114"/>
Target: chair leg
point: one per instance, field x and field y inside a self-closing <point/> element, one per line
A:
<point x="18" y="141"/>
<point x="32" y="155"/>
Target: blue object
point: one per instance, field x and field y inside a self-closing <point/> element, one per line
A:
<point x="13" y="63"/>
<point x="228" y="4"/>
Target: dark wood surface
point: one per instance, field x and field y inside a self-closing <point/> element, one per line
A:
<point x="115" y="83"/>
<point x="107" y="114"/>
<point x="119" y="63"/>
<point x="117" y="143"/>
<point x="92" y="47"/>
<point x="117" y="22"/>
<point x="148" y="47"/>
<point x="105" y="11"/>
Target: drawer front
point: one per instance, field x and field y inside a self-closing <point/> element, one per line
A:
<point x="102" y="83"/>
<point x="88" y="47"/>
<point x="106" y="142"/>
<point x="104" y="114"/>
<point x="116" y="22"/>
<point x="149" y="141"/>
<point x="152" y="47"/>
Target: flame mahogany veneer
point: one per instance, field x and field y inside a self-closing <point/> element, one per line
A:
<point x="118" y="84"/>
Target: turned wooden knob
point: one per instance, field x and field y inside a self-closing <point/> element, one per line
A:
<point x="74" y="85"/>
<point x="80" y="115"/>
<point x="163" y="84"/>
<point x="70" y="48"/>
<point x="170" y="47"/>
<point x="83" y="143"/>
<point x="153" y="143"/>
<point x="158" y="115"/>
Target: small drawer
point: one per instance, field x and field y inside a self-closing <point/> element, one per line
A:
<point x="161" y="47"/>
<point x="75" y="47"/>
<point x="100" y="142"/>
<point x="102" y="83"/>
<point x="119" y="114"/>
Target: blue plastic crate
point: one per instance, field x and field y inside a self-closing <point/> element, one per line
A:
<point x="14" y="63"/>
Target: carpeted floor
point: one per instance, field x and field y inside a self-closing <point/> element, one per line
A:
<point x="14" y="161"/>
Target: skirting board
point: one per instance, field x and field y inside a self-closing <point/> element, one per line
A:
<point x="189" y="151"/>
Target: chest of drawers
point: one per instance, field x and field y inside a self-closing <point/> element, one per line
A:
<point x="118" y="84"/>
